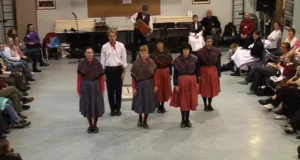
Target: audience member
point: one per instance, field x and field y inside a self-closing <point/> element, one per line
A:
<point x="195" y="37"/>
<point x="230" y="64"/>
<point x="242" y="57"/>
<point x="7" y="152"/>
<point x="211" y="26"/>
<point x="271" y="42"/>
<point x="245" y="38"/>
<point x="291" y="37"/>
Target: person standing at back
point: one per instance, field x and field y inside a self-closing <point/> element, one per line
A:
<point x="114" y="61"/>
<point x="139" y="38"/>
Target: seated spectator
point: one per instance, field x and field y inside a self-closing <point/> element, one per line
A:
<point x="272" y="40"/>
<point x="284" y="92"/>
<point x="3" y="127"/>
<point x="12" y="78"/>
<point x="32" y="39"/>
<point x="196" y="39"/>
<point x="7" y="107"/>
<point x="34" y="54"/>
<point x="291" y="37"/>
<point x="211" y="25"/>
<point x="16" y="97"/>
<point x="258" y="75"/>
<point x="242" y="57"/>
<point x="244" y="38"/>
<point x="7" y="152"/>
<point x="10" y="53"/>
<point x="230" y="64"/>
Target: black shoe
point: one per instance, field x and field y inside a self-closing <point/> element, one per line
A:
<point x="188" y="124"/>
<point x="25" y="94"/>
<point x="210" y="108"/>
<point x="25" y="107"/>
<point x="145" y="125"/>
<point x="96" y="130"/>
<point x="159" y="109"/>
<point x="27" y="83"/>
<point x="36" y="70"/>
<point x="206" y="109"/>
<point x="235" y="74"/>
<point x="90" y="130"/>
<point x="183" y="124"/>
<point x="6" y="131"/>
<point x="112" y="113"/>
<point x="28" y="88"/>
<point x="118" y="113"/>
<point x="163" y="110"/>
<point x="30" y="79"/>
<point x="2" y="137"/>
<point x="44" y="64"/>
<point x="140" y="124"/>
<point x="265" y="102"/>
<point x="26" y="100"/>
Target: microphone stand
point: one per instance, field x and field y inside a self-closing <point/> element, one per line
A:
<point x="77" y="40"/>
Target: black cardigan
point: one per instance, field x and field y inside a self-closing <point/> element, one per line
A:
<point x="258" y="49"/>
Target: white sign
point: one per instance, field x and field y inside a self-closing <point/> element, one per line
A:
<point x="127" y="1"/>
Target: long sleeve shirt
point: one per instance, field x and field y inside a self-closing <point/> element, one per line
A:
<point x="247" y="27"/>
<point x="113" y="55"/>
<point x="133" y="20"/>
<point x="11" y="54"/>
<point x="32" y="38"/>
<point x="79" y="80"/>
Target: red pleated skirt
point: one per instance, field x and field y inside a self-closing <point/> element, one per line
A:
<point x="187" y="97"/>
<point x="209" y="84"/>
<point x="164" y="91"/>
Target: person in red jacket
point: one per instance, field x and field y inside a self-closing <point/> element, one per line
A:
<point x="244" y="38"/>
<point x="90" y="88"/>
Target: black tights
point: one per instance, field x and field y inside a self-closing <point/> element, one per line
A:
<point x="205" y="101"/>
<point x="185" y="115"/>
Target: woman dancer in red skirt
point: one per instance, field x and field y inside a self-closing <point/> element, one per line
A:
<point x="163" y="61"/>
<point x="209" y="59"/>
<point x="185" y="84"/>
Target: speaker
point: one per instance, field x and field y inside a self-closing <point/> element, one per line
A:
<point x="266" y="5"/>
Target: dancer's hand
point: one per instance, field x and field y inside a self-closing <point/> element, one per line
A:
<point x="177" y="88"/>
<point x="134" y="91"/>
<point x="196" y="36"/>
<point x="123" y="76"/>
<point x="104" y="76"/>
<point x="102" y="93"/>
<point x="155" y="89"/>
<point x="170" y="78"/>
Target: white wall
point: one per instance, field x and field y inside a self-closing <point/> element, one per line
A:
<point x="64" y="9"/>
<point x="296" y="20"/>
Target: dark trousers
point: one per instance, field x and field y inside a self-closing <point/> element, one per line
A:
<point x="15" y="80"/>
<point x="139" y="40"/>
<point x="36" y="56"/>
<point x="245" y="43"/>
<point x="114" y="85"/>
<point x="284" y="94"/>
<point x="258" y="74"/>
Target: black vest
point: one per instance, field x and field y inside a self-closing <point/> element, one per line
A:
<point x="140" y="16"/>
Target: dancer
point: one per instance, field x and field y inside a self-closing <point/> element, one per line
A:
<point x="114" y="62"/>
<point x="185" y="84"/>
<point x="90" y="88"/>
<point x="163" y="61"/>
<point x="144" y="85"/>
<point x="209" y="59"/>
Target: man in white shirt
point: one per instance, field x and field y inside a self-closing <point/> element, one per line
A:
<point x="114" y="61"/>
<point x="140" y="39"/>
